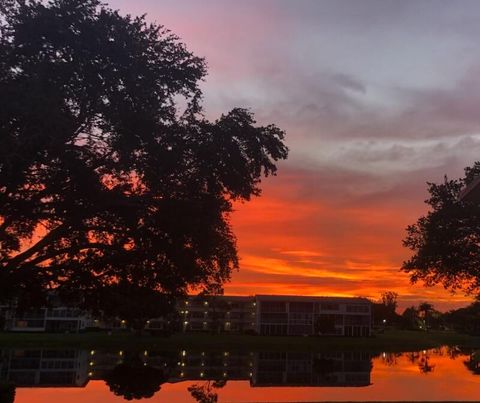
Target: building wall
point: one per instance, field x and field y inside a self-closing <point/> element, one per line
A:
<point x="60" y="319"/>
<point x="263" y="314"/>
<point x="217" y="314"/>
<point x="293" y="315"/>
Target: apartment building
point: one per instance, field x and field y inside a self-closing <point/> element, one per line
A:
<point x="219" y="314"/>
<point x="298" y="315"/>
<point x="44" y="367"/>
<point x="259" y="314"/>
<point x="59" y="319"/>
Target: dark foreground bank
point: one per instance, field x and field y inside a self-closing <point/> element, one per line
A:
<point x="394" y="340"/>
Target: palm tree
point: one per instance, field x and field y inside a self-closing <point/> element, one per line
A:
<point x="426" y="309"/>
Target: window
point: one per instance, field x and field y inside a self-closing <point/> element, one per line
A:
<point x="358" y="308"/>
<point x="328" y="306"/>
<point x="301" y="307"/>
<point x="273" y="306"/>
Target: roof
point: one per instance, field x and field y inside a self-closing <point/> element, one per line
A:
<point x="472" y="191"/>
<point x="228" y="297"/>
<point x="304" y="298"/>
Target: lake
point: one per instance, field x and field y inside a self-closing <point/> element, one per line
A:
<point x="73" y="376"/>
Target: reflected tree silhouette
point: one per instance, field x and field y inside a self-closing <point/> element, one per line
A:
<point x="453" y="352"/>
<point x="424" y="364"/>
<point x="206" y="392"/>
<point x="413" y="356"/>
<point x="390" y="359"/>
<point x="7" y="393"/>
<point x="473" y="363"/>
<point x="133" y="379"/>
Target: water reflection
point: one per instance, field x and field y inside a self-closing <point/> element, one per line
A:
<point x="141" y="374"/>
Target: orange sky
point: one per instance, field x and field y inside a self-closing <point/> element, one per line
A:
<point x="377" y="98"/>
<point x="290" y="245"/>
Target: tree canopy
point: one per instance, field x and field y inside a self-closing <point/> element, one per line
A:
<point x="110" y="174"/>
<point x="133" y="379"/>
<point x="446" y="241"/>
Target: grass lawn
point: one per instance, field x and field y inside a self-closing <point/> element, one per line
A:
<point x="391" y="340"/>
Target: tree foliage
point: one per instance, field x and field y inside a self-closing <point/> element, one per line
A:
<point x="7" y="393"/>
<point x="110" y="175"/>
<point x="446" y="241"/>
<point x="131" y="379"/>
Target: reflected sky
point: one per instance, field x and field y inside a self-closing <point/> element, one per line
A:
<point x="441" y="374"/>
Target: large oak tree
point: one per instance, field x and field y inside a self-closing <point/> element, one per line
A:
<point x="446" y="241"/>
<point x="111" y="178"/>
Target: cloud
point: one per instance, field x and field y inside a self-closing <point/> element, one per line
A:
<point x="377" y="97"/>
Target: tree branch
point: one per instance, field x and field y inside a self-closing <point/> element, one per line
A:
<point x="51" y="236"/>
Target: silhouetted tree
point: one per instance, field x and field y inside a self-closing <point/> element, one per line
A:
<point x="446" y="242"/>
<point x="465" y="320"/>
<point x="385" y="309"/>
<point x="424" y="364"/>
<point x="389" y="299"/>
<point x="425" y="309"/>
<point x="134" y="304"/>
<point x="107" y="177"/>
<point x="206" y="392"/>
<point x="7" y="393"/>
<point x="132" y="379"/>
<point x="411" y="318"/>
<point x="390" y="359"/>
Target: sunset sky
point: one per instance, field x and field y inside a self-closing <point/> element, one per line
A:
<point x="377" y="97"/>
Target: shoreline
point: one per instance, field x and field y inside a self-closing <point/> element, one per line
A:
<point x="390" y="341"/>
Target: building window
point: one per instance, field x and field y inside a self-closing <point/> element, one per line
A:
<point x="329" y="306"/>
<point x="358" y="308"/>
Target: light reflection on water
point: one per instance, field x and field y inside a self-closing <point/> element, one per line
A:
<point x="68" y="375"/>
